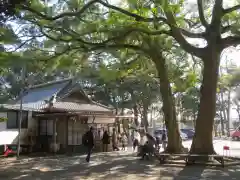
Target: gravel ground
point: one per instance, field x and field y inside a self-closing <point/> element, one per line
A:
<point x="107" y="166"/>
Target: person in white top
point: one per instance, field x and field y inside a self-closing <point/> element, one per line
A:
<point x="136" y="139"/>
<point x="143" y="139"/>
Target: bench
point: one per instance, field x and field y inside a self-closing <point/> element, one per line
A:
<point x="162" y="157"/>
<point x="189" y="158"/>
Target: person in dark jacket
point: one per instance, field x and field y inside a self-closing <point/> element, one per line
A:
<point x="148" y="147"/>
<point x="105" y="141"/>
<point x="158" y="143"/>
<point x="89" y="143"/>
<point x="164" y="140"/>
<point x="115" y="140"/>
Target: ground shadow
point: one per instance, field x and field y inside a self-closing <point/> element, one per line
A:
<point x="110" y="166"/>
<point x="107" y="165"/>
<point x="198" y="172"/>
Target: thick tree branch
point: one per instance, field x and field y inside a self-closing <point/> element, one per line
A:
<point x="24" y="43"/>
<point x="66" y="14"/>
<point x="98" y="46"/>
<point x="192" y="24"/>
<point x="118" y="46"/>
<point x="57" y="54"/>
<point x="76" y="36"/>
<point x="125" y="32"/>
<point x="231" y="28"/>
<point x="84" y="8"/>
<point x="191" y="34"/>
<point x="144" y="19"/>
<point x="133" y="15"/>
<point x="178" y="35"/>
<point x="217" y="14"/>
<point x="229" y="10"/>
<point x="149" y="32"/>
<point x="201" y="13"/>
<point x="225" y="29"/>
<point x="230" y="41"/>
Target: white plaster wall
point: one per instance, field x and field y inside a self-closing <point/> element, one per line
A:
<point x="101" y="120"/>
<point x="31" y="121"/>
<point x="10" y="136"/>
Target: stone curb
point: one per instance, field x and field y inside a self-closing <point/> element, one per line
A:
<point x="233" y="157"/>
<point x="222" y="138"/>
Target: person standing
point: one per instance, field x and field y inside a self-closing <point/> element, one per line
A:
<point x="88" y="141"/>
<point x="115" y="140"/>
<point x="164" y="140"/>
<point x="158" y="143"/>
<point x="151" y="144"/>
<point x="142" y="143"/>
<point x="136" y="139"/>
<point x="99" y="135"/>
<point x="124" y="141"/>
<point x="105" y="141"/>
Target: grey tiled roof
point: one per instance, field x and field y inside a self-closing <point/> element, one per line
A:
<point x="34" y="99"/>
<point x="40" y="94"/>
<point x="74" y="106"/>
<point x="59" y="106"/>
<point x="26" y="107"/>
<point x="37" y="98"/>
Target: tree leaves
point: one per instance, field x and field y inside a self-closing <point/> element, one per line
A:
<point x="37" y="5"/>
<point x="234" y="80"/>
<point x="7" y="35"/>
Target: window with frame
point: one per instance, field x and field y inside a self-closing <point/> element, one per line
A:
<point x="13" y="119"/>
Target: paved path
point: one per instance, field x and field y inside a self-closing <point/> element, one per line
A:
<point x="108" y="166"/>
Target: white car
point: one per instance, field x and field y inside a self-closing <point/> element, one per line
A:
<point x="158" y="133"/>
<point x="183" y="136"/>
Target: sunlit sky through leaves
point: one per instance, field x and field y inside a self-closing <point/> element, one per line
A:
<point x="229" y="56"/>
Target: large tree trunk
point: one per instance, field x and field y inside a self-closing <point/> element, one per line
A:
<point x="135" y="109"/>
<point x="222" y="123"/>
<point x="223" y="109"/>
<point x="145" y="117"/>
<point x="238" y="112"/>
<point x="174" y="140"/>
<point x="117" y="122"/>
<point x="221" y="115"/>
<point x="228" y="112"/>
<point x="135" y="112"/>
<point x="215" y="129"/>
<point x="203" y="139"/>
<point x="194" y="118"/>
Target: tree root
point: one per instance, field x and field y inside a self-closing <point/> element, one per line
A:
<point x="203" y="151"/>
<point x="203" y="156"/>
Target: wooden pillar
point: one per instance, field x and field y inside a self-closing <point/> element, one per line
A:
<point x="38" y="138"/>
<point x="66" y="121"/>
<point x="54" y="135"/>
